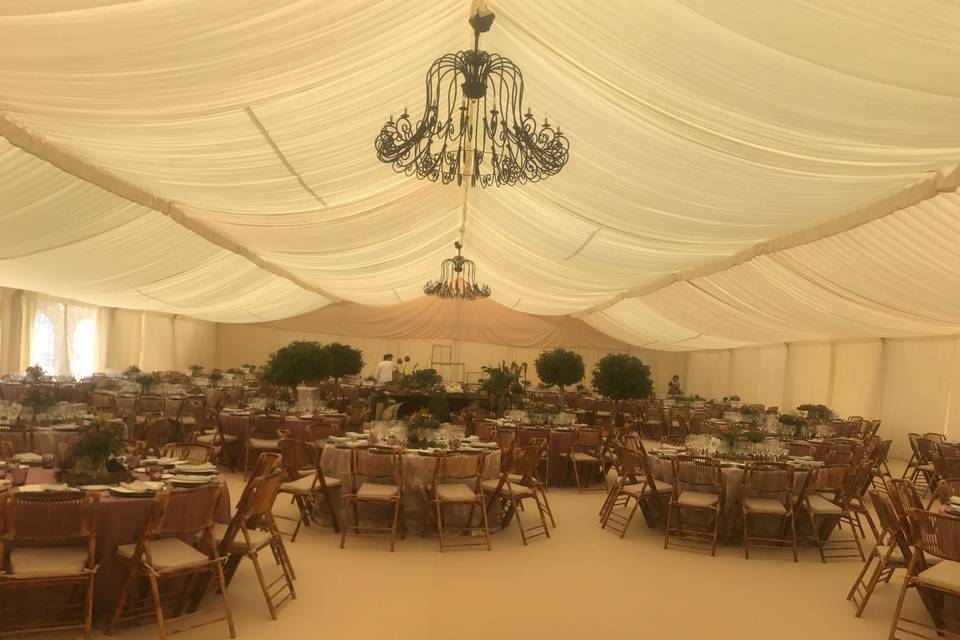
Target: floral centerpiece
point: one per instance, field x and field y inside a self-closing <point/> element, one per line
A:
<point x="794" y="423"/>
<point x="422" y="429"/>
<point x="33" y="373"/>
<point x="131" y="372"/>
<point x="146" y="381"/>
<point x="542" y="412"/>
<point x="816" y="412"/>
<point x="94" y="458"/>
<point x="195" y="370"/>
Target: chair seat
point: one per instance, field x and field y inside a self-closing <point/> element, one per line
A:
<point x="516" y="490"/>
<point x="697" y="499"/>
<point x="264" y="443"/>
<point x="48" y="562"/>
<point x="926" y="467"/>
<point x="455" y="493"/>
<point x="214" y="438"/>
<point x="821" y="506"/>
<point x="259" y="539"/>
<point x="943" y="575"/>
<point x="764" y="505"/>
<point x="305" y="485"/>
<point x="642" y="489"/>
<point x="896" y="558"/>
<point x="371" y="491"/>
<point x="167" y="554"/>
<point x="579" y="456"/>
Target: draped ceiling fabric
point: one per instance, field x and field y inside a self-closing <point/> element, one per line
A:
<point x="741" y="172"/>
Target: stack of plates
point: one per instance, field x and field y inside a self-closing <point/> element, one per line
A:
<point x="28" y="458"/>
<point x="190" y="480"/>
<point x="163" y="462"/>
<point x="206" y="469"/>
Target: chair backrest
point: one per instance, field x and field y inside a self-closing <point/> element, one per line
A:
<point x="801" y="449"/>
<point x="376" y="464"/>
<point x="173" y="407"/>
<point x="150" y="404"/>
<point x="266" y="426"/>
<point x="127" y="403"/>
<point x="459" y="467"/>
<point x="253" y="508"/>
<point x="949" y="449"/>
<point x="297" y="455"/>
<point x="893" y="529"/>
<point x="948" y="488"/>
<point x="627" y="464"/>
<point x="485" y="430"/>
<point x="48" y="519"/>
<point x="183" y="513"/>
<point x="703" y="473"/>
<point x="673" y="440"/>
<point x="936" y="534"/>
<point x="768" y="478"/>
<point x="267" y="463"/>
<point x="587" y="440"/>
<point x="904" y="497"/>
<point x="828" y="479"/>
<point x="192" y="452"/>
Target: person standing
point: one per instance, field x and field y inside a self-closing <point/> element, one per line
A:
<point x="673" y="387"/>
<point x="384" y="371"/>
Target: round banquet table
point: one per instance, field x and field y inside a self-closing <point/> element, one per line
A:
<point x="417" y="475"/>
<point x="237" y="424"/>
<point x="119" y="521"/>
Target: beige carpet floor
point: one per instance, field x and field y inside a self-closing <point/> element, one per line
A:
<point x="581" y="583"/>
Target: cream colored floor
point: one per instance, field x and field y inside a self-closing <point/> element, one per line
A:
<point x="583" y="582"/>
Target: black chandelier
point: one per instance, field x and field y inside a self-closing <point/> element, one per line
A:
<point x="458" y="279"/>
<point x="473" y="126"/>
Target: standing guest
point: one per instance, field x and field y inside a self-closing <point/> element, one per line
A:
<point x="673" y="387"/>
<point x="384" y="372"/>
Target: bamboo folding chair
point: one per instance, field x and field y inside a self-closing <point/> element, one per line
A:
<point x="304" y="480"/>
<point x="210" y="432"/>
<point x="510" y="492"/>
<point x="376" y="477"/>
<point x="458" y="482"/>
<point x="20" y="438"/>
<point x="263" y="437"/>
<point x="161" y="556"/>
<point x="584" y="452"/>
<point x="891" y="552"/>
<point x="642" y="489"/>
<point x="823" y="511"/>
<point x="767" y="493"/>
<point x="697" y="486"/>
<point x="937" y="536"/>
<point x="48" y="540"/>
<point x="252" y="530"/>
<point x="525" y="437"/>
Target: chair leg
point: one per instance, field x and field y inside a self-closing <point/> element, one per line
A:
<point x="88" y="615"/>
<point x="122" y="601"/>
<point x="226" y="600"/>
<point x="334" y="517"/>
<point x="343" y="530"/>
<point x="546" y="504"/>
<point x="486" y="526"/>
<point x="158" y="607"/>
<point x="439" y="510"/>
<point x="263" y="584"/>
<point x="746" y="533"/>
<point x="626" y="525"/>
<point x="899" y="609"/>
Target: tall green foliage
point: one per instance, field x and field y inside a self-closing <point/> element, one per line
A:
<point x="344" y="360"/>
<point x="560" y="367"/>
<point x="296" y="363"/>
<point x="620" y="376"/>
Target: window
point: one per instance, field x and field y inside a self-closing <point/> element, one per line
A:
<point x="81" y="348"/>
<point x="43" y="343"/>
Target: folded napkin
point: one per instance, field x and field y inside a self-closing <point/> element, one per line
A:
<point x="140" y="486"/>
<point x="39" y="488"/>
<point x="28" y="457"/>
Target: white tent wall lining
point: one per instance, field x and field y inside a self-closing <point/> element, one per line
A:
<point x="240" y="344"/>
<point x="911" y="384"/>
<point x="152" y="341"/>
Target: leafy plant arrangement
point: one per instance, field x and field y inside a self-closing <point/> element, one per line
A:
<point x="93" y="459"/>
<point x="816" y="411"/>
<point x="147" y="381"/>
<point x="543" y="407"/>
<point x="620" y="376"/>
<point x="235" y="371"/>
<point x="344" y="361"/>
<point x="501" y="382"/>
<point x="560" y="367"/>
<point x="796" y="422"/>
<point x="37" y="399"/>
<point x="215" y="376"/>
<point x="195" y="370"/>
<point x="420" y="380"/>
<point x="34" y="373"/>
<point x="751" y="410"/>
<point x="298" y="362"/>
<point x="422" y="429"/>
<point x="439" y="406"/>
<point x="249" y="367"/>
<point x="131" y="372"/>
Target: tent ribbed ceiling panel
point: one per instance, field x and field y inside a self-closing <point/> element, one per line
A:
<point x="740" y="172"/>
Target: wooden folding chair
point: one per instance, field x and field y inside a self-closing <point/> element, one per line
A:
<point x="767" y="493"/>
<point x="191" y="452"/>
<point x="376" y="477"/>
<point x="697" y="486"/>
<point x="47" y="541"/>
<point x="263" y="437"/>
<point x="162" y="556"/>
<point x="891" y="552"/>
<point x="829" y="511"/>
<point x="252" y="530"/>
<point x="510" y="491"/>
<point x="458" y="482"/>
<point x="304" y="480"/>
<point x="642" y="489"/>
<point x="584" y="452"/>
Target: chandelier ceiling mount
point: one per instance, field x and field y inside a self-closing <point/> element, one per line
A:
<point x="458" y="280"/>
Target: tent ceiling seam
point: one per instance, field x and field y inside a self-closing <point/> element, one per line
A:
<point x="283" y="158"/>
<point x="36" y="145"/>
<point x="935" y="183"/>
<point x="584" y="244"/>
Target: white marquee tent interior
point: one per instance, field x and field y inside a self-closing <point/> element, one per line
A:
<point x="759" y="212"/>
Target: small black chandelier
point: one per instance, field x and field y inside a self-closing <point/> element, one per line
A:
<point x="458" y="279"/>
<point x="473" y="126"/>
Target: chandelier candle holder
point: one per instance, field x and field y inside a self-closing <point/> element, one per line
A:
<point x="458" y="280"/>
<point x="473" y="126"/>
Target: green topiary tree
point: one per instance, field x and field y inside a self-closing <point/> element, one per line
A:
<point x="298" y="362"/>
<point x="344" y="361"/>
<point x="620" y="376"/>
<point x="560" y="367"/>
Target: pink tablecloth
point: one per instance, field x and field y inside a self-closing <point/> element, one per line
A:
<point x="120" y="521"/>
<point x="239" y="425"/>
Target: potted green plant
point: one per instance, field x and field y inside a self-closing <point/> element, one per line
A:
<point x="33" y="373"/>
<point x="298" y="362"/>
<point x="131" y="372"/>
<point x="93" y="459"/>
<point x="794" y="423"/>
<point x="500" y="384"/>
<point x="146" y="381"/>
<point x="195" y="370"/>
<point x="560" y="367"/>
<point x="817" y="412"/>
<point x="420" y="381"/>
<point x="344" y="361"/>
<point x="620" y="376"/>
<point x="439" y="405"/>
